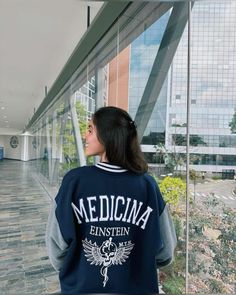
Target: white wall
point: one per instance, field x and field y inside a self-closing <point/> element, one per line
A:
<point x="31" y="151"/>
<point x="12" y="153"/>
<point x="24" y="151"/>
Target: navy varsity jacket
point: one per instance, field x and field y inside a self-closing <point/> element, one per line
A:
<point x="108" y="231"/>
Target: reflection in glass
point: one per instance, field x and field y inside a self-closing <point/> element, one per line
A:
<point x="116" y="72"/>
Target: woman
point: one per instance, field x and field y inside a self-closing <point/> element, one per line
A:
<point x="109" y="228"/>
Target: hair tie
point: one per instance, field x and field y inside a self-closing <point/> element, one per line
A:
<point x="132" y="124"/>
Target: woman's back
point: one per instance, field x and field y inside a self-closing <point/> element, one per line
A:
<point x="111" y="228"/>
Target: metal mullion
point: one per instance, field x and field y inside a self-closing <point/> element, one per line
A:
<point x="49" y="153"/>
<point x="161" y="65"/>
<point x="188" y="146"/>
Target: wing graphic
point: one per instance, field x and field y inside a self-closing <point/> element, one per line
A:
<point x="92" y="252"/>
<point x="122" y="253"/>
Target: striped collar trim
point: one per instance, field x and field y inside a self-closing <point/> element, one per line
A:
<point x="110" y="167"/>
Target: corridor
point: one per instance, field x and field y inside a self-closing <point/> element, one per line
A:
<point x="24" y="206"/>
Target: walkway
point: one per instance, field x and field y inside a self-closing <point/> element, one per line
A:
<point x="24" y="205"/>
<point x="218" y="189"/>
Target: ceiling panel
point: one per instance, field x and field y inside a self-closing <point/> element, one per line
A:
<point x="36" y="39"/>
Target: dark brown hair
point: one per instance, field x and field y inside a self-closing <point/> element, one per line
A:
<point x="118" y="133"/>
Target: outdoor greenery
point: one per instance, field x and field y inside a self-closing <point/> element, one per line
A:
<point x="172" y="278"/>
<point x="216" y="177"/>
<point x="212" y="243"/>
<point x="212" y="238"/>
<point x="212" y="225"/>
<point x="69" y="146"/>
<point x="69" y="154"/>
<point x="193" y="175"/>
<point x="194" y="140"/>
<point x="173" y="189"/>
<point x="173" y="160"/>
<point x="232" y="123"/>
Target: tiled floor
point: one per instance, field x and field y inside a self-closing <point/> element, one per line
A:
<point x="24" y="205"/>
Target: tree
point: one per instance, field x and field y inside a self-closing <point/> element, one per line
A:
<point x="179" y="140"/>
<point x="69" y="146"/>
<point x="154" y="138"/>
<point x="160" y="153"/>
<point x="172" y="160"/>
<point x="196" y="140"/>
<point x="82" y="117"/>
<point x="232" y="124"/>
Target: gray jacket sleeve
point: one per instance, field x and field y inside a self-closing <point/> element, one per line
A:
<point x="56" y="245"/>
<point x="166" y="254"/>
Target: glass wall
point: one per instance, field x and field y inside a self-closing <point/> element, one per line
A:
<point x="141" y="65"/>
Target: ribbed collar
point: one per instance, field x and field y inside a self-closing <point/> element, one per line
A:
<point x="110" y="167"/>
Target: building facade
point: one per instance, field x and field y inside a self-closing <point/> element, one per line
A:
<point x="213" y="72"/>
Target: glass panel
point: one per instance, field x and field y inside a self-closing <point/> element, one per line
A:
<point x="43" y="164"/>
<point x="212" y="259"/>
<point x="61" y="110"/>
<point x="143" y="59"/>
<point x="69" y="148"/>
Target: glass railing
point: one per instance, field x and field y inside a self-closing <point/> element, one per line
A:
<point x="141" y="64"/>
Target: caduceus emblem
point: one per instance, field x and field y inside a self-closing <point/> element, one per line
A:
<point x="107" y="254"/>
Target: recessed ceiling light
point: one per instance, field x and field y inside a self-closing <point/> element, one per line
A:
<point x="6" y="121"/>
<point x="4" y="117"/>
<point x="2" y="108"/>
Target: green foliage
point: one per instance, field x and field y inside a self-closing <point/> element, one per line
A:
<point x="219" y="264"/>
<point x="216" y="286"/>
<point x="216" y="177"/>
<point x="225" y="258"/>
<point x="179" y="140"/>
<point x="173" y="189"/>
<point x="232" y="124"/>
<point x="69" y="146"/>
<point x="174" y="285"/>
<point x="179" y="264"/>
<point x="181" y="176"/>
<point x="160" y="153"/>
<point x="212" y="248"/>
<point x="196" y="140"/>
<point x="193" y="175"/>
<point x="154" y="138"/>
<point x="90" y="160"/>
<point x="82" y="118"/>
<point x="178" y="226"/>
<point x="172" y="160"/>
